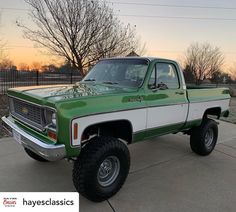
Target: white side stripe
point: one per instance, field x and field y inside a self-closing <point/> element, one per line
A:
<point x="196" y="110"/>
<point x="136" y="117"/>
<point x="144" y="118"/>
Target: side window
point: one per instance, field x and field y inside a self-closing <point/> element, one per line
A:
<point x="164" y="73"/>
<point x="167" y="74"/>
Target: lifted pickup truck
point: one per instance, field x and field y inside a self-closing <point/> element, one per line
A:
<point x="119" y="102"/>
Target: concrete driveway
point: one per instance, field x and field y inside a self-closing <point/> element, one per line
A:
<point x="165" y="176"/>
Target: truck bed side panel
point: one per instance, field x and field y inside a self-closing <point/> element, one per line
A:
<point x="202" y="99"/>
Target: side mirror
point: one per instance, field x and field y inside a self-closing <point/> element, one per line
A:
<point x="162" y="86"/>
<point x="152" y="86"/>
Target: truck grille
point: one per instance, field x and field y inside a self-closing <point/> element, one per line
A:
<point x="28" y="113"/>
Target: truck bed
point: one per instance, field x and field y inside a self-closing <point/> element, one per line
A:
<point x="200" y="99"/>
<point x="207" y="93"/>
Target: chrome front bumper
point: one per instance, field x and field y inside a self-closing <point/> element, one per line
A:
<point x="47" y="151"/>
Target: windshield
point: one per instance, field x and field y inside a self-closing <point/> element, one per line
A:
<point x="124" y="72"/>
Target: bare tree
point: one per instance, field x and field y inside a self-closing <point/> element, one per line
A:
<point x="1" y="47"/>
<point x="23" y="67"/>
<point x="203" y="60"/>
<point x="2" y="50"/>
<point x="36" y="66"/>
<point x="7" y="64"/>
<point x="2" y="54"/>
<point x="232" y="71"/>
<point x="81" y="31"/>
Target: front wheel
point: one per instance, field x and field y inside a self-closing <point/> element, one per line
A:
<point x="203" y="138"/>
<point x="101" y="169"/>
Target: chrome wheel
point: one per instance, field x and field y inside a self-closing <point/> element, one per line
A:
<point x="108" y="171"/>
<point x="209" y="137"/>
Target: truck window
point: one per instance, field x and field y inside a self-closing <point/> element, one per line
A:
<point x="165" y="73"/>
<point x="124" y="72"/>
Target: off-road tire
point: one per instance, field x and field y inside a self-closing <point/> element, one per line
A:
<point x="35" y="156"/>
<point x="198" y="137"/>
<point x="87" y="166"/>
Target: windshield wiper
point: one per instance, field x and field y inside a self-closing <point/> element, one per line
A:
<point x="89" y="80"/>
<point x="110" y="83"/>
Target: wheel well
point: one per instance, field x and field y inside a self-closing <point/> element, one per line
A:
<point x="119" y="129"/>
<point x="216" y="111"/>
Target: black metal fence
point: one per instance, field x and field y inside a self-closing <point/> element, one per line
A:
<point x="14" y="78"/>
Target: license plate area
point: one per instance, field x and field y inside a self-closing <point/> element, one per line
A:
<point x="16" y="136"/>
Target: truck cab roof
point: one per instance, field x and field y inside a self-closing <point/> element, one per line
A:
<point x="136" y="57"/>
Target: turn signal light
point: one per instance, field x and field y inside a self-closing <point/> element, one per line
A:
<point x="75" y="131"/>
<point x="52" y="135"/>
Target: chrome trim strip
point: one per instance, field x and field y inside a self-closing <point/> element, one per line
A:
<point x="48" y="151"/>
<point x="23" y="100"/>
<point x="28" y="122"/>
<point x="213" y="100"/>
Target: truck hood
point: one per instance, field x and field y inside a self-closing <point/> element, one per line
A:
<point x="55" y="93"/>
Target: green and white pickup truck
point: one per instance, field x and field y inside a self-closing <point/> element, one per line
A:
<point x="119" y="102"/>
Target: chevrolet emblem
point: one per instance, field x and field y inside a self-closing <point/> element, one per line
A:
<point x="25" y="110"/>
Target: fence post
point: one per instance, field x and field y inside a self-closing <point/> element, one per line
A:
<point x="71" y="77"/>
<point x="37" y="77"/>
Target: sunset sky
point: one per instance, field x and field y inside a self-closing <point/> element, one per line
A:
<point x="165" y="26"/>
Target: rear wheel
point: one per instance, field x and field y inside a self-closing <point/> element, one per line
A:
<point x="35" y="156"/>
<point x="203" y="138"/>
<point x="101" y="169"/>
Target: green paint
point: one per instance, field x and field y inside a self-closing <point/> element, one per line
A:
<point x="207" y="94"/>
<point x="155" y="132"/>
<point x="192" y="124"/>
<point x="88" y="98"/>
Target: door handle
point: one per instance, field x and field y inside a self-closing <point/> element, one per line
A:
<point x="179" y="92"/>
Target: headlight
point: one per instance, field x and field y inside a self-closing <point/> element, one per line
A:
<point x="50" y="118"/>
<point x="54" y="119"/>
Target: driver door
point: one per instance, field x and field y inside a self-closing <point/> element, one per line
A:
<point x="166" y="100"/>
